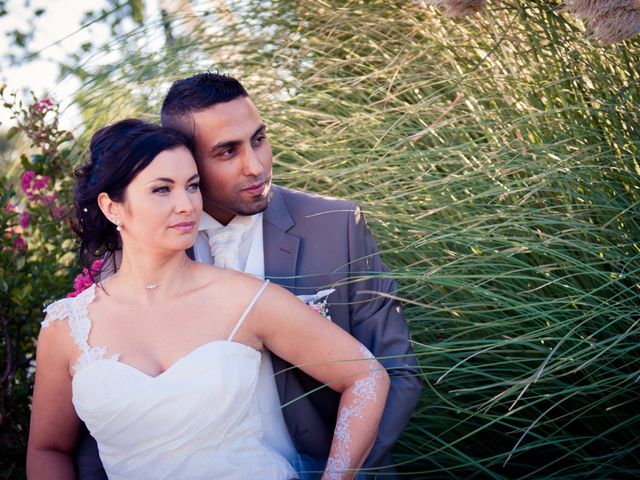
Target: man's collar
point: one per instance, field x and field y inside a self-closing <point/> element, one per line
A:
<point x="208" y="222"/>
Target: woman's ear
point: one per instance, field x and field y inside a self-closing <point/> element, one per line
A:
<point x="110" y="208"/>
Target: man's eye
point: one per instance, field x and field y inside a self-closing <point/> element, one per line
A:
<point x="194" y="187"/>
<point x="226" y="153"/>
<point x="259" y="139"/>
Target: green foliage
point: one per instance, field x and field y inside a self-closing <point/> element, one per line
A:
<point x="496" y="158"/>
<point x="35" y="245"/>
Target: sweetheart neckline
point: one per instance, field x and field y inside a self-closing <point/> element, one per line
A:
<point x="171" y="367"/>
<point x="115" y="356"/>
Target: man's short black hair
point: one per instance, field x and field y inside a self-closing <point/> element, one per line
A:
<point x="194" y="94"/>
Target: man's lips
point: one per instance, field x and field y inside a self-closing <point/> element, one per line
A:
<point x="184" y="226"/>
<point x="256" y="188"/>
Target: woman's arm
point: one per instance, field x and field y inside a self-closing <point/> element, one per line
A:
<point x="293" y="331"/>
<point x="54" y="423"/>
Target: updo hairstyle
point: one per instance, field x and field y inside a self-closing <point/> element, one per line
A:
<point x="118" y="153"/>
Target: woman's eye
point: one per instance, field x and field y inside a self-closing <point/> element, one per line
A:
<point x="161" y="190"/>
<point x="194" y="187"/>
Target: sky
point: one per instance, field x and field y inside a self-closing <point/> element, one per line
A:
<point x="56" y="36"/>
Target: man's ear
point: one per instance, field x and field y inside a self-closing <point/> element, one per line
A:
<point x="110" y="208"/>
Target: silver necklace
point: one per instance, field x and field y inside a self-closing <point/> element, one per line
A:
<point x="151" y="286"/>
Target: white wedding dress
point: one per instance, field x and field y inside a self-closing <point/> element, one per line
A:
<point x="198" y="419"/>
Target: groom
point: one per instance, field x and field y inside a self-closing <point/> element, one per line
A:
<point x="304" y="242"/>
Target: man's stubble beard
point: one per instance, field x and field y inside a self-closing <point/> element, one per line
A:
<point x="244" y="211"/>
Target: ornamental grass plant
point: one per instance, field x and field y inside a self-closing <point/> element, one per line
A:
<point x="496" y="159"/>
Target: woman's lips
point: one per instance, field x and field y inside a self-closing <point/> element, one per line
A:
<point x="184" y="226"/>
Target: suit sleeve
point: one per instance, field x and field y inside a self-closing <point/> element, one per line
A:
<point x="377" y="322"/>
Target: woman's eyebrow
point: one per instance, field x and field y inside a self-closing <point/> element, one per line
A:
<point x="162" y="179"/>
<point x="170" y="180"/>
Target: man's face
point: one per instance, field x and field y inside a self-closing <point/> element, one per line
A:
<point x="234" y="159"/>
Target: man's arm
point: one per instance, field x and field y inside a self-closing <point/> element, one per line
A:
<point x="378" y="322"/>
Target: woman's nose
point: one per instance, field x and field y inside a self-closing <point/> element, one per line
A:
<point x="185" y="203"/>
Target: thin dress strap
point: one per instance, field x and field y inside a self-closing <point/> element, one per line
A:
<point x="247" y="310"/>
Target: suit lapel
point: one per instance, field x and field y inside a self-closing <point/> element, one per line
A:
<point x="280" y="247"/>
<point x="280" y="261"/>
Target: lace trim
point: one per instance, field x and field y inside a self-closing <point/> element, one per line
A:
<point x="76" y="311"/>
<point x="364" y="391"/>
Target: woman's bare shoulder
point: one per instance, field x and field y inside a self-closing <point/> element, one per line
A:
<point x="232" y="288"/>
<point x="216" y="277"/>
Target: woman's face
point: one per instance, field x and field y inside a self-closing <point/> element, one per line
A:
<point x="162" y="205"/>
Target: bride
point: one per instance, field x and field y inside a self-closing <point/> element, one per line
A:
<point x="160" y="360"/>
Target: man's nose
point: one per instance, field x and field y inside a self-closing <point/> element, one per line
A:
<point x="251" y="164"/>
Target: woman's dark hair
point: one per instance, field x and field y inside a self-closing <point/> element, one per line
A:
<point x="118" y="153"/>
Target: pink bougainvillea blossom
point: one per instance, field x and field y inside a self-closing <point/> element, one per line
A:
<point x="9" y="207"/>
<point x="12" y="235"/>
<point x="20" y="245"/>
<point x="45" y="104"/>
<point x="57" y="212"/>
<point x="83" y="280"/>
<point x="49" y="199"/>
<point x="25" y="183"/>
<point x="33" y="186"/>
<point x="24" y="219"/>
<point x="40" y="183"/>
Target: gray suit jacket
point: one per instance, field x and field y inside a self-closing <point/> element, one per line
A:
<point x="311" y="243"/>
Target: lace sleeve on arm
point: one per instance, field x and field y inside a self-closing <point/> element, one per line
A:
<point x="364" y="394"/>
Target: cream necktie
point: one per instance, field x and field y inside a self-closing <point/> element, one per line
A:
<point x="224" y="242"/>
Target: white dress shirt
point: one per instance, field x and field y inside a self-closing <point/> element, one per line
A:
<point x="251" y="260"/>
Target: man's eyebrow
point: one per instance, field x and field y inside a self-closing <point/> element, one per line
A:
<point x="261" y="129"/>
<point x="234" y="143"/>
<point x="225" y="145"/>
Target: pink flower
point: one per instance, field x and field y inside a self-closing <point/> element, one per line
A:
<point x="49" y="199"/>
<point x="44" y="104"/>
<point x="10" y="207"/>
<point x="41" y="183"/>
<point x="24" y="219"/>
<point x="57" y="212"/>
<point x="25" y="183"/>
<point x="78" y="285"/>
<point x="34" y="185"/>
<point x="83" y="280"/>
<point x="19" y="244"/>
<point x="97" y="265"/>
